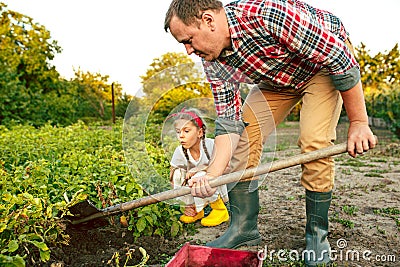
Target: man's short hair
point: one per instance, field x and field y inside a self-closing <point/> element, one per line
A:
<point x="188" y="11"/>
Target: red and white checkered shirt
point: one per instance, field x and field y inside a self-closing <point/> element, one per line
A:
<point x="282" y="42"/>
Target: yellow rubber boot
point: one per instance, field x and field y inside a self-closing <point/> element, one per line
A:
<point x="218" y="214"/>
<point x="192" y="219"/>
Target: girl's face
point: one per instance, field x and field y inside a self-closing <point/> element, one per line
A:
<point x="187" y="132"/>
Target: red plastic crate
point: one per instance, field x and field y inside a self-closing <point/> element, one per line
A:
<point x="201" y="256"/>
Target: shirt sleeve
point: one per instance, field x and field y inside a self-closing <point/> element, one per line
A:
<point x="302" y="30"/>
<point x="178" y="159"/>
<point x="225" y="84"/>
<point x="210" y="145"/>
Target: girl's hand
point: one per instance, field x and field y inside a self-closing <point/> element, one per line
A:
<point x="190" y="174"/>
<point x="190" y="211"/>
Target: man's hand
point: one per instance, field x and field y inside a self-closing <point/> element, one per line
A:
<point x="359" y="139"/>
<point x="224" y="145"/>
<point x="200" y="186"/>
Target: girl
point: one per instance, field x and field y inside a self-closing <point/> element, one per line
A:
<point x="191" y="158"/>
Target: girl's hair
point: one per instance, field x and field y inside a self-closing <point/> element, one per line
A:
<point x="193" y="116"/>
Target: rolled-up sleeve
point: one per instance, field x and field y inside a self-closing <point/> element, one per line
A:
<point x="225" y="126"/>
<point x="347" y="80"/>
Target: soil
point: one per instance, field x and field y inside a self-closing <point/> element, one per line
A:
<point x="363" y="217"/>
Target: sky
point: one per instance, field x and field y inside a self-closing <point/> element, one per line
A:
<point x="121" y="38"/>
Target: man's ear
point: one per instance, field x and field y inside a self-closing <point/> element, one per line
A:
<point x="208" y="18"/>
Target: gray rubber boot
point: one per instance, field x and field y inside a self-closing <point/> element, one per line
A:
<point x="317" y="245"/>
<point x="244" y="208"/>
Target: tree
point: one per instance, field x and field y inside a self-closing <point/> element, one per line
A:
<point x="32" y="91"/>
<point x="380" y="76"/>
<point x="94" y="92"/>
<point x="171" y="80"/>
<point x="26" y="49"/>
<point x="383" y="68"/>
<point x="122" y="104"/>
<point x="165" y="73"/>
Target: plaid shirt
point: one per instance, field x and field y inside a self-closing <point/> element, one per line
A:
<point x="282" y="42"/>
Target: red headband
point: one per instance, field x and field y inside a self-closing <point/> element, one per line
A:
<point x="191" y="114"/>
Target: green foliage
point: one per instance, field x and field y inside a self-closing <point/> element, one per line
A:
<point x="171" y="80"/>
<point x="32" y="91"/>
<point x="45" y="170"/>
<point x="389" y="211"/>
<point x="385" y="103"/>
<point x="350" y="210"/>
<point x="116" y="259"/>
<point x="165" y="73"/>
<point x="380" y="77"/>
<point x="381" y="82"/>
<point x="383" y="68"/>
<point x="344" y="222"/>
<point x="25" y="72"/>
<point x="392" y="212"/>
<point x="93" y="92"/>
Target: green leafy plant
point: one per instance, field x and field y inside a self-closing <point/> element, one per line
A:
<point x="44" y="171"/>
<point x="350" y="210"/>
<point x="116" y="258"/>
<point x="344" y="222"/>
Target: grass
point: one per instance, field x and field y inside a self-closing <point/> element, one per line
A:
<point x="263" y="187"/>
<point x="380" y="230"/>
<point x="392" y="212"/>
<point x="344" y="222"/>
<point x="379" y="171"/>
<point x="373" y="174"/>
<point x="387" y="211"/>
<point x="347" y="171"/>
<point x="379" y="186"/>
<point x="378" y="160"/>
<point x="350" y="210"/>
<point x="354" y="162"/>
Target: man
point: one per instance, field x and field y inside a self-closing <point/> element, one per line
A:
<point x="293" y="52"/>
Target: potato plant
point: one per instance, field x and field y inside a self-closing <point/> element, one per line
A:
<point x="45" y="170"/>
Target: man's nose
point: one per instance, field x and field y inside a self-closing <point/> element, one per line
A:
<point x="189" y="49"/>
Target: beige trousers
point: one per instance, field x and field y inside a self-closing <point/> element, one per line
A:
<point x="265" y="108"/>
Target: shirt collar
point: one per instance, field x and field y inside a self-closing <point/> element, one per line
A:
<point x="234" y="29"/>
